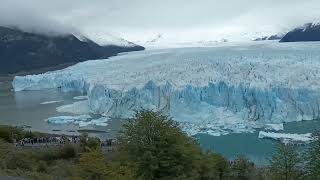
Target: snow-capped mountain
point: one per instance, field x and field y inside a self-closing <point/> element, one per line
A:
<point x="167" y="40"/>
<point x="270" y="37"/>
<point x="208" y="39"/>
<point x="307" y="32"/>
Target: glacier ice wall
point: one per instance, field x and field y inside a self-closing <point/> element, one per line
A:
<point x="213" y="90"/>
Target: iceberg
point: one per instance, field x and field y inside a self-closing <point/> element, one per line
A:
<point x="80" y="107"/>
<point x="80" y="97"/>
<point x="68" y="119"/>
<point x="286" y="138"/>
<point x="229" y="89"/>
<point x="274" y="127"/>
<point x="82" y="120"/>
<point x="50" y="102"/>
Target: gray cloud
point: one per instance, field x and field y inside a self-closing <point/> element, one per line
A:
<point x="135" y="19"/>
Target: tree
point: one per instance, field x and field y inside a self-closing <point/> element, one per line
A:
<point x="9" y="134"/>
<point x="92" y="165"/>
<point x="89" y="143"/>
<point x="242" y="168"/>
<point x="284" y="164"/>
<point x="313" y="157"/>
<point x="213" y="166"/>
<point x="156" y="148"/>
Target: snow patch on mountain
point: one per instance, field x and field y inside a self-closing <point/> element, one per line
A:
<point x="107" y="39"/>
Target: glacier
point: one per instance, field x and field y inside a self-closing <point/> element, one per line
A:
<point x="217" y="90"/>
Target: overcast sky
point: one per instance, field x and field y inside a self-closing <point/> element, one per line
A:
<point x="138" y="19"/>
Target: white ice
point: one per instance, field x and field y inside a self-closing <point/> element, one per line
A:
<point x="274" y="127"/>
<point x="80" y="97"/>
<point x="229" y="89"/>
<point x="79" y="107"/>
<point x="50" y="102"/>
<point x="82" y="120"/>
<point x="286" y="137"/>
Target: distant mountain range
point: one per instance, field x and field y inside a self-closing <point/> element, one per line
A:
<point x="24" y="51"/>
<point x="307" y="32"/>
<point x="272" y="37"/>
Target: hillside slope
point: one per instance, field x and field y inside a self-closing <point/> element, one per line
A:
<point x="23" y="51"/>
<point x="308" y="32"/>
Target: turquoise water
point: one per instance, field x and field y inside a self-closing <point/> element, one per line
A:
<point x="248" y="144"/>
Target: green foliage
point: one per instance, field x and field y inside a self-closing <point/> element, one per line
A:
<point x="92" y="166"/>
<point x="89" y="143"/>
<point x="213" y="166"/>
<point x="60" y="169"/>
<point x="158" y="148"/>
<point x="8" y="133"/>
<point x="52" y="154"/>
<point x="313" y="157"/>
<point x="35" y="164"/>
<point x="242" y="169"/>
<point x="285" y="163"/>
<point x="19" y="160"/>
<point x="5" y="150"/>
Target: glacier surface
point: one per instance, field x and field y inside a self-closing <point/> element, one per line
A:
<point x="221" y="90"/>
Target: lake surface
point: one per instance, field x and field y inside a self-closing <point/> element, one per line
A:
<point x="25" y="109"/>
<point x="248" y="144"/>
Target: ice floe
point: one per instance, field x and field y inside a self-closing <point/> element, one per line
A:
<point x="50" y="102"/>
<point x="274" y="127"/>
<point x="79" y="107"/>
<point x="285" y="137"/>
<point x="80" y="97"/>
<point x="82" y="120"/>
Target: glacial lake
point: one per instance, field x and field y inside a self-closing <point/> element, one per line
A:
<point x="25" y="109"/>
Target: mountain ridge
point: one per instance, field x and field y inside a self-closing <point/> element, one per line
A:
<point x="307" y="32"/>
<point x="26" y="51"/>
